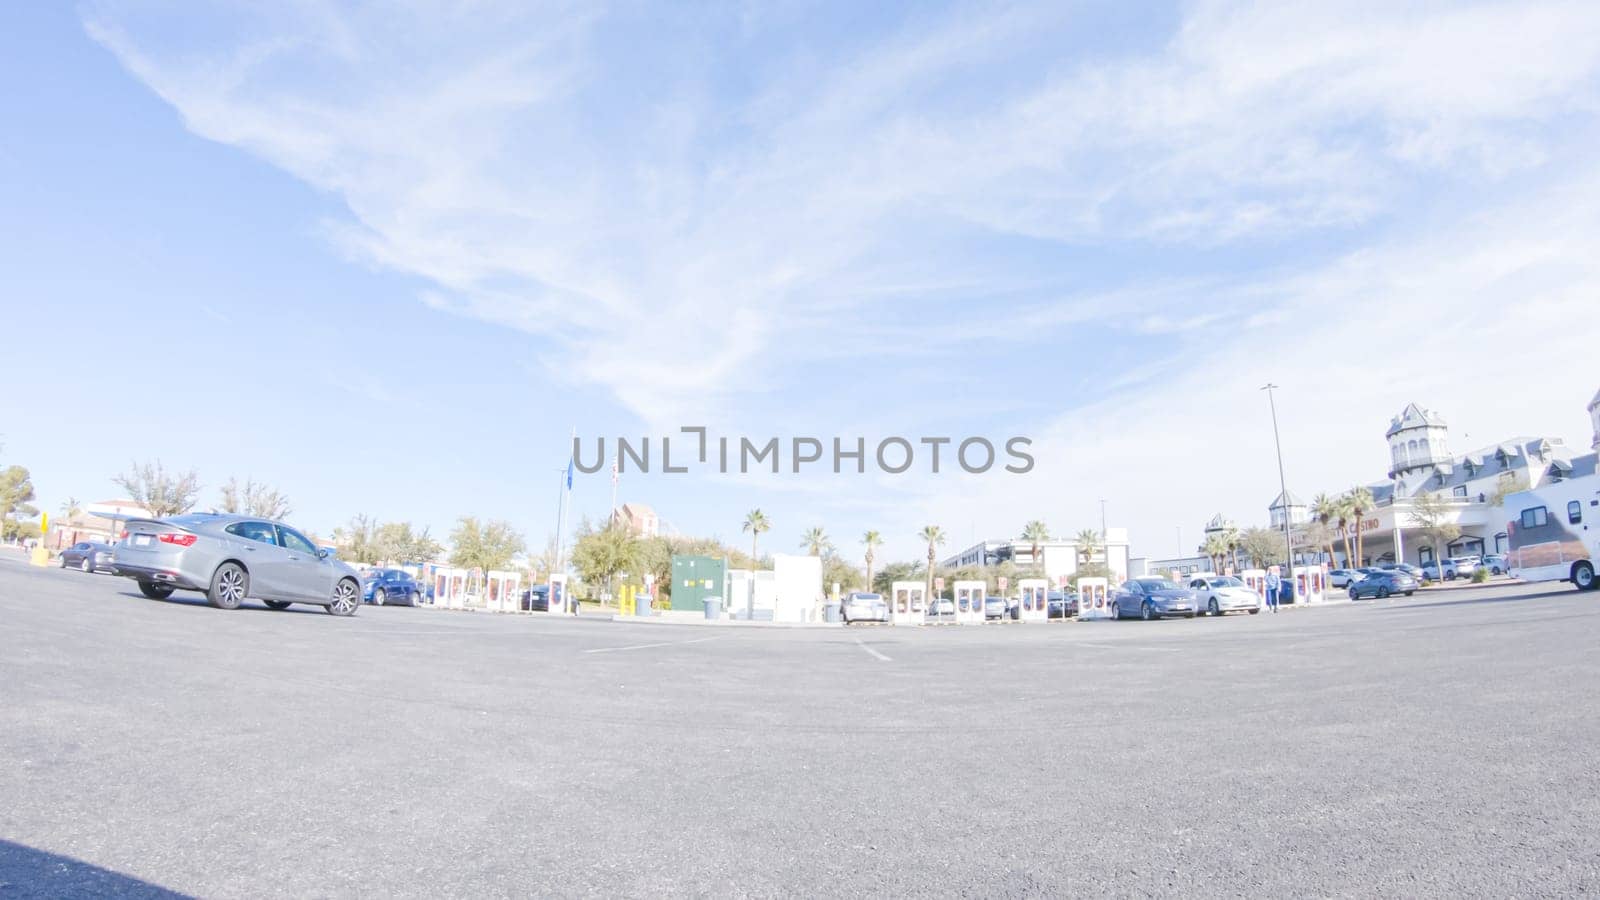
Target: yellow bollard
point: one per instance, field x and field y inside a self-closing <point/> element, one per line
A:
<point x="40" y="556"/>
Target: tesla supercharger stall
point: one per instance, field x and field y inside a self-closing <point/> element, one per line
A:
<point x="1255" y="580"/>
<point x="450" y="588"/>
<point x="969" y="602"/>
<point x="1035" y="603"/>
<point x="503" y="591"/>
<point x="1310" y="584"/>
<point x="1094" y="597"/>
<point x="907" y="603"/>
<point x="558" y="594"/>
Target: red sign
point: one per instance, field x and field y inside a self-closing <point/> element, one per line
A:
<point x="1002" y="581"/>
<point x="938" y="584"/>
<point x="1061" y="580"/>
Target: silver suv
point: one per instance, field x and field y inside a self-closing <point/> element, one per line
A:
<point x="230" y="558"/>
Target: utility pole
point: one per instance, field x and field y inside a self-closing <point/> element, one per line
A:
<point x="1105" y="537"/>
<point x="1283" y="484"/>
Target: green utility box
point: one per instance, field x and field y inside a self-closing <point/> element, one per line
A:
<point x="694" y="578"/>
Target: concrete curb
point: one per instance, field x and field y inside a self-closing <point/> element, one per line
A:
<point x="721" y="623"/>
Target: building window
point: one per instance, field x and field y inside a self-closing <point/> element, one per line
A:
<point x="1535" y="517"/>
<point x="1574" y="512"/>
<point x="1461" y="490"/>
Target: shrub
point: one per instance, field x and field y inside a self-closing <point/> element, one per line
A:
<point x="1480" y="575"/>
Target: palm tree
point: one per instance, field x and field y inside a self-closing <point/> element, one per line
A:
<point x="1086" y="540"/>
<point x="815" y="540"/>
<point x="1361" y="501"/>
<point x="1231" y="539"/>
<point x="1325" y="509"/>
<point x="1341" y="515"/>
<point x="755" y="523"/>
<point x="1035" y="533"/>
<point x="873" y="540"/>
<point x="1215" y="548"/>
<point x="934" y="535"/>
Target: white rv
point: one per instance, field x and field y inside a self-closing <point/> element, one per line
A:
<point x="1554" y="531"/>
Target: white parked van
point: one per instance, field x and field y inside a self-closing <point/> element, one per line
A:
<point x="1552" y="532"/>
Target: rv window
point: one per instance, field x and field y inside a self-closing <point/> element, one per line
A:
<point x="1574" y="512"/>
<point x="1534" y="518"/>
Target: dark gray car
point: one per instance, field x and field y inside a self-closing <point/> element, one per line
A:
<point x="90" y="556"/>
<point x="230" y="558"/>
<point x="1153" y="598"/>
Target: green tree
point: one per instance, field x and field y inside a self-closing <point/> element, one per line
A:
<point x="1215" y="548"/>
<point x="397" y="542"/>
<point x="895" y="571"/>
<point x="756" y="523"/>
<point x="599" y="556"/>
<point x="1231" y="539"/>
<point x="16" y="494"/>
<point x="1087" y="539"/>
<point x="71" y="508"/>
<point x="836" y="570"/>
<point x="1036" y="533"/>
<point x="815" y="541"/>
<point x="1264" y="546"/>
<point x="150" y="486"/>
<point x="872" y="540"/>
<point x="357" y="541"/>
<point x="1433" y="515"/>
<point x="1341" y="518"/>
<point x="934" y="535"/>
<point x="1325" y="509"/>
<point x="486" y="546"/>
<point x="251" y="499"/>
<point x="1360" y="502"/>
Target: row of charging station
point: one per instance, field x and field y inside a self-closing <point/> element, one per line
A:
<point x="908" y="603"/>
<point x="495" y="591"/>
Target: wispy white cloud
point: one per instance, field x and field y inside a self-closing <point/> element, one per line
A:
<point x="727" y="204"/>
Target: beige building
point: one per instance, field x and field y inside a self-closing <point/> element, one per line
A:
<point x="639" y="519"/>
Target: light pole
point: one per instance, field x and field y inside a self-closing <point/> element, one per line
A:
<point x="1283" y="484"/>
<point x="1105" y="538"/>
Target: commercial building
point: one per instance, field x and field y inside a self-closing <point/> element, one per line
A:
<point x="1470" y="485"/>
<point x="1057" y="557"/>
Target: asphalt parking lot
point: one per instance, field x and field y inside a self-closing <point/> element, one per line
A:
<point x="1443" y="745"/>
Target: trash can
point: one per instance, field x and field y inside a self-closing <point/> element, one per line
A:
<point x="713" y="607"/>
<point x="830" y="613"/>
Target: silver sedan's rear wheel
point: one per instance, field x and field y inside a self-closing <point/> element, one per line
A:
<point x="346" y="598"/>
<point x="154" y="591"/>
<point x="229" y="586"/>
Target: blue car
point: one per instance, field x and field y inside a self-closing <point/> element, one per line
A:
<point x="382" y="586"/>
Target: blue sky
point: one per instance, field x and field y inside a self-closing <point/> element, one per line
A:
<point x="387" y="260"/>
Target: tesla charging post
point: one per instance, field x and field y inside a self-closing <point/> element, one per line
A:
<point x="503" y="591"/>
<point x="1255" y="580"/>
<point x="1035" y="606"/>
<point x="1094" y="596"/>
<point x="906" y="600"/>
<point x="969" y="602"/>
<point x="558" y="593"/>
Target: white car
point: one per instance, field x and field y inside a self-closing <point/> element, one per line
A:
<point x="862" y="606"/>
<point x="1222" y="594"/>
<point x="1343" y="578"/>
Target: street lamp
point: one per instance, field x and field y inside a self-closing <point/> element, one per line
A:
<point x="1283" y="485"/>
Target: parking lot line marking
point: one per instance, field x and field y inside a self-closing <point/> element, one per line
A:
<point x="872" y="651"/>
<point x="648" y="646"/>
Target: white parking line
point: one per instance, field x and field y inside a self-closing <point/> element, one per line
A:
<point x="648" y="646"/>
<point x="872" y="651"/>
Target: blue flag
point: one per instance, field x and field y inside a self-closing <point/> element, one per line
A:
<point x="569" y="474"/>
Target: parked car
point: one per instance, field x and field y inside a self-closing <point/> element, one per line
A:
<point x="1343" y="577"/>
<point x="1495" y="564"/>
<point x="942" y="607"/>
<point x="995" y="607"/>
<point x="382" y="586"/>
<point x="863" y="606"/>
<point x="1223" y="594"/>
<point x="230" y="558"/>
<point x="1369" y="570"/>
<point x="1430" y="571"/>
<point x="1152" y="598"/>
<point x="536" y="598"/>
<point x="1465" y="565"/>
<point x="1058" y="605"/>
<point x="1408" y="568"/>
<point x="90" y="556"/>
<point x="1384" y="584"/>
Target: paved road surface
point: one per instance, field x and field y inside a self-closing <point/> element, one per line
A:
<point x="1441" y="745"/>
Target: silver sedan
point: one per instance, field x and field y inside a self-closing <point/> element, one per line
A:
<point x="230" y="558"/>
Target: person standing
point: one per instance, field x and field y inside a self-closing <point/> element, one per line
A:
<point x="1273" y="587"/>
